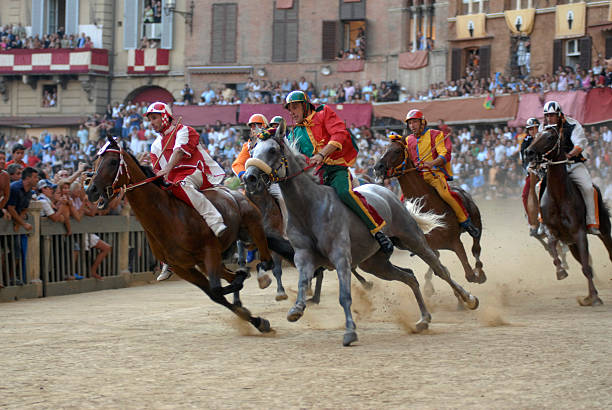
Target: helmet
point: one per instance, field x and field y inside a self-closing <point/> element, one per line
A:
<point x="276" y="120"/>
<point x="532" y="122"/>
<point x="164" y="110"/>
<point x="552" y="107"/>
<point x="258" y="119"/>
<point x="416" y="114"/>
<point x="297" y="96"/>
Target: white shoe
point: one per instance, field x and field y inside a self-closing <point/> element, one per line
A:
<point x="165" y="273"/>
<point x="219" y="229"/>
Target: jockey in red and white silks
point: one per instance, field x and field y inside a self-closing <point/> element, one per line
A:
<point x="186" y="165"/>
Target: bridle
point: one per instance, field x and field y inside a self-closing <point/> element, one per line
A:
<point x="278" y="174"/>
<point x="403" y="168"/>
<point x="556" y="147"/>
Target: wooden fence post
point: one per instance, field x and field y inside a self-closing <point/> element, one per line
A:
<point x="124" y="243"/>
<point x="33" y="253"/>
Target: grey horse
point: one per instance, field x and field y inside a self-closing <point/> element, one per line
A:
<point x="324" y="232"/>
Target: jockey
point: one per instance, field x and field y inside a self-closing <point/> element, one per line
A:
<point x="322" y="136"/>
<point x="428" y="151"/>
<point x="276" y="120"/>
<point x="186" y="165"/>
<point x="531" y="126"/>
<point x="573" y="142"/>
<point x="257" y="123"/>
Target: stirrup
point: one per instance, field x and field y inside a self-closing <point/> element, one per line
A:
<point x="165" y="273"/>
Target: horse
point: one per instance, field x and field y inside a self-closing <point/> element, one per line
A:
<point x="274" y="226"/>
<point x="324" y="232"/>
<point x="564" y="212"/>
<point x="396" y="162"/>
<point x="178" y="235"/>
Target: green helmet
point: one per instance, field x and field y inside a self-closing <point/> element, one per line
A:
<point x="297" y="96"/>
<point x="276" y="120"/>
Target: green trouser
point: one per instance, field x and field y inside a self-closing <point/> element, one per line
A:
<point x="338" y="177"/>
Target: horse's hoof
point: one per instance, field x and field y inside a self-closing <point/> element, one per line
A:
<point x="294" y="314"/>
<point x="421" y="325"/>
<point x="264" y="325"/>
<point x="367" y="285"/>
<point x="472" y="302"/>
<point x="280" y="296"/>
<point x="482" y="278"/>
<point x="561" y="274"/>
<point x="264" y="280"/>
<point x="349" y="337"/>
<point x="590" y="301"/>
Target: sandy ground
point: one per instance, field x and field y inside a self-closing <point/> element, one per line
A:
<point x="529" y="345"/>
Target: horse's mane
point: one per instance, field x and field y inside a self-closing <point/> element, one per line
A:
<point x="301" y="159"/>
<point x="146" y="169"/>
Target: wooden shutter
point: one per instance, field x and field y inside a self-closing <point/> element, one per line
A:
<point x="166" y="27"/>
<point x="130" y="24"/>
<point x="355" y="10"/>
<point x="330" y="40"/>
<point x="285" y="33"/>
<point x="584" y="46"/>
<point x="224" y="32"/>
<point x="38" y="18"/>
<point x="484" y="53"/>
<point x="72" y="17"/>
<point x="456" y="64"/>
<point x="608" y="47"/>
<point x="557" y="54"/>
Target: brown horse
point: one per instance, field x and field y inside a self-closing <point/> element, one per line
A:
<point x="564" y="212"/>
<point x="178" y="235"/>
<point x="396" y="162"/>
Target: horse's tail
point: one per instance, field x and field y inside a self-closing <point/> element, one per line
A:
<point x="427" y="221"/>
<point x="604" y="212"/>
<point x="281" y="246"/>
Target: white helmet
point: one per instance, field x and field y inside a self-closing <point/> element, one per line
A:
<point x="552" y="107"/>
<point x="160" y="108"/>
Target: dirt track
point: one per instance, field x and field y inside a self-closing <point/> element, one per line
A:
<point x="168" y="346"/>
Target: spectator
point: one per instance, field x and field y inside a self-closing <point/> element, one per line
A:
<point x="49" y="210"/>
<point x="2" y="160"/>
<point x="82" y="41"/>
<point x="187" y="94"/>
<point x="18" y="154"/>
<point x="14" y="171"/>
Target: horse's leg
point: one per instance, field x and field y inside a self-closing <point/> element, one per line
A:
<point x="241" y="254"/>
<point x="316" y="296"/>
<point x="428" y="288"/>
<point x="562" y="250"/>
<point x="552" y="248"/>
<point x="304" y="262"/>
<point x="367" y="285"/>
<point x="343" y="268"/>
<point x="278" y="273"/>
<point x="480" y="275"/>
<point x="380" y="266"/>
<point x="459" y="250"/>
<point x="252" y="219"/>
<point x="580" y="250"/>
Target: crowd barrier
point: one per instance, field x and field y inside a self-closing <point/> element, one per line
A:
<point x="47" y="262"/>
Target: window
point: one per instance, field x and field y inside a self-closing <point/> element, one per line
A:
<point x="146" y="19"/>
<point x="285" y="33"/>
<point x="49" y="96"/>
<point x="421" y="28"/>
<point x="51" y="16"/>
<point x="152" y="22"/>
<point x="224" y="27"/>
<point x="464" y="7"/>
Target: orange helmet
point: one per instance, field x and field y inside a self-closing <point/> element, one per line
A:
<point x="415" y="114"/>
<point x="258" y="119"/>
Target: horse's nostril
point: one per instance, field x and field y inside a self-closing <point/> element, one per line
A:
<point x="249" y="179"/>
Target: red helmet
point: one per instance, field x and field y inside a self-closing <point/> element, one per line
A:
<point x="415" y="114"/>
<point x="258" y="119"/>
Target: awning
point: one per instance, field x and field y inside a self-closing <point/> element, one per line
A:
<point x="454" y="111"/>
<point x="267" y="110"/>
<point x="531" y="105"/>
<point x="198" y="116"/>
<point x="38" y="121"/>
<point x="413" y="60"/>
<point x="358" y="114"/>
<point x="598" y="107"/>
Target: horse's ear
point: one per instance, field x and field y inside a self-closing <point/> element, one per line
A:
<point x="280" y="130"/>
<point x="125" y="145"/>
<point x="111" y="140"/>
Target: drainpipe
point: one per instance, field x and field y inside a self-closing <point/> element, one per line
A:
<point x="111" y="60"/>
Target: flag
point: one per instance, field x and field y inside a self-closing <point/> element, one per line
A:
<point x="489" y="102"/>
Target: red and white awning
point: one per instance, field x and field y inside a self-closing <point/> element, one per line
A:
<point x="54" y="61"/>
<point x="148" y="61"/>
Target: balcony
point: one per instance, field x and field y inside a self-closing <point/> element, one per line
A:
<point x="148" y="61"/>
<point x="54" y="61"/>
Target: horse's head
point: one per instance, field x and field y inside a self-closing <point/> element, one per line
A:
<point x="267" y="160"/>
<point x="546" y="144"/>
<point x="395" y="155"/>
<point x="101" y="184"/>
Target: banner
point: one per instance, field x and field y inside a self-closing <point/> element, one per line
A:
<point x="570" y="20"/>
<point x="520" y="21"/>
<point x="471" y="26"/>
<point x="413" y="60"/>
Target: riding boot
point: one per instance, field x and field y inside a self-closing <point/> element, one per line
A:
<point x="385" y="243"/>
<point x="593" y="230"/>
<point x="469" y="227"/>
<point x="165" y="273"/>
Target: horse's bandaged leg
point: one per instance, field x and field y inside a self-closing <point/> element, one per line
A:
<point x="278" y="195"/>
<point x="580" y="176"/>
<point x="188" y="191"/>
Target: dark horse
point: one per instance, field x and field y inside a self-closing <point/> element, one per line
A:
<point x="324" y="232"/>
<point x="396" y="162"/>
<point x="178" y="235"/>
<point x="563" y="210"/>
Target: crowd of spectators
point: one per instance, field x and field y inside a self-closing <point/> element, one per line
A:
<point x="358" y="52"/>
<point x="15" y="37"/>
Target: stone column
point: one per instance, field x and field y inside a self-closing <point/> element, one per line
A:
<point x="481" y="6"/>
<point x="413" y="12"/>
<point x="470" y="7"/>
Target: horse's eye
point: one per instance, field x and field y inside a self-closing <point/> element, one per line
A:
<point x="113" y="162"/>
<point x="272" y="150"/>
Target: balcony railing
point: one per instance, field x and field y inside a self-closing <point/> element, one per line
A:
<point x="54" y="61"/>
<point x="149" y="61"/>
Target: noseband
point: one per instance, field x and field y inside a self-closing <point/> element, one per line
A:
<point x="274" y="174"/>
<point x="403" y="168"/>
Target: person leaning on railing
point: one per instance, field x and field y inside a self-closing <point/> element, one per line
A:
<point x="59" y="212"/>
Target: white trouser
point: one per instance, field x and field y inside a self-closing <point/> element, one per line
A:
<point x="579" y="174"/>
<point x="198" y="200"/>
<point x="276" y="193"/>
